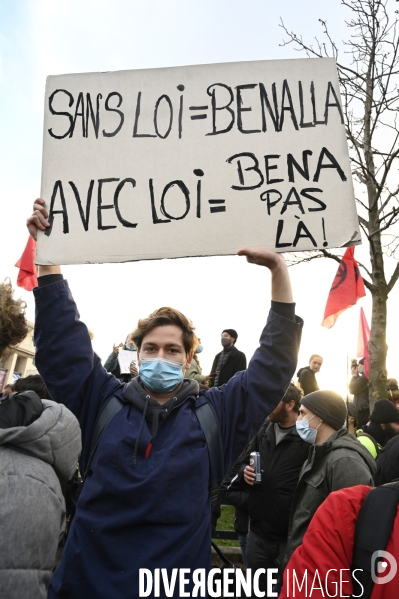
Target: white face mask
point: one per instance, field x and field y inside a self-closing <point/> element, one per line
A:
<point x="305" y="432"/>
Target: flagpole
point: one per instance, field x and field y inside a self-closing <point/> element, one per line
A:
<point x="348" y="334"/>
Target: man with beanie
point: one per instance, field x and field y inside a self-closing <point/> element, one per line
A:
<point x="336" y="459"/>
<point x="229" y="361"/>
<point x="382" y="426"/>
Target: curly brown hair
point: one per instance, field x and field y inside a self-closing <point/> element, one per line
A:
<point x="13" y="327"/>
<point x="163" y="317"/>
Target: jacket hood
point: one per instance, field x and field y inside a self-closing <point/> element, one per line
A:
<point x="302" y="370"/>
<point x="344" y="440"/>
<point x="135" y="394"/>
<point x="54" y="437"/>
<point x="20" y="409"/>
<point x="152" y="411"/>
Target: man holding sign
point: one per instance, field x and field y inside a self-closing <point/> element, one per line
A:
<point x="145" y="503"/>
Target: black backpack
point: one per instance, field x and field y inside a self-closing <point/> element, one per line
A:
<point x="373" y="528"/>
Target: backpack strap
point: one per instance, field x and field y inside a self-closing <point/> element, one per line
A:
<point x="380" y="506"/>
<point x="112" y="407"/>
<point x="75" y="485"/>
<point x="209" y="423"/>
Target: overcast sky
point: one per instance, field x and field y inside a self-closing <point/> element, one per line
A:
<point x="40" y="38"/>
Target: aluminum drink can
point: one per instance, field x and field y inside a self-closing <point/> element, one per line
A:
<point x="254" y="462"/>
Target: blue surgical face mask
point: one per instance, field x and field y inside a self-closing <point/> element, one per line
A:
<point x="200" y="348"/>
<point x="305" y="432"/>
<point x="160" y="375"/>
<point x="127" y="346"/>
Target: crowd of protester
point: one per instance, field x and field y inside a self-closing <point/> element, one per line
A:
<point x="142" y="477"/>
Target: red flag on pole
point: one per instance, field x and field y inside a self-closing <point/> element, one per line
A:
<point x="363" y="342"/>
<point x="346" y="289"/>
<point x="27" y="269"/>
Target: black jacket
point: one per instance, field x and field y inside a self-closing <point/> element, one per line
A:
<point x="234" y="363"/>
<point x="237" y="497"/>
<point x="359" y="388"/>
<point x="307" y="379"/>
<point x="269" y="503"/>
<point x="388" y="463"/>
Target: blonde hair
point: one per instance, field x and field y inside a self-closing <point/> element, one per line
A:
<point x="315" y="356"/>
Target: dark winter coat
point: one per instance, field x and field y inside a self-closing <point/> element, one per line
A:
<point x="139" y="509"/>
<point x="358" y="386"/>
<point x="307" y="380"/>
<point x="234" y="363"/>
<point x="37" y="453"/>
<point x="339" y="462"/>
<point x="231" y="495"/>
<point x="388" y="463"/>
<point x="269" y="503"/>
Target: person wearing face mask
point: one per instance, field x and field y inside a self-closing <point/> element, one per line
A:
<point x="145" y="502"/>
<point x="336" y="460"/>
<point x="112" y="363"/>
<point x="229" y="361"/>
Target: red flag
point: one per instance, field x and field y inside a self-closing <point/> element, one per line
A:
<point x="363" y="342"/>
<point x="27" y="269"/>
<point x="346" y="289"/>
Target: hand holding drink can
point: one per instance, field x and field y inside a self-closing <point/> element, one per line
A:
<point x="254" y="462"/>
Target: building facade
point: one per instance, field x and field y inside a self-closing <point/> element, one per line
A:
<point x="20" y="362"/>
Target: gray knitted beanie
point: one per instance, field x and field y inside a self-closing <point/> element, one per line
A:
<point x="327" y="405"/>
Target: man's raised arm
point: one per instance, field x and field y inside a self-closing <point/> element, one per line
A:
<point x="249" y="397"/>
<point x="64" y="355"/>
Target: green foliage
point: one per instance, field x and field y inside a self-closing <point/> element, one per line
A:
<point x="226" y="522"/>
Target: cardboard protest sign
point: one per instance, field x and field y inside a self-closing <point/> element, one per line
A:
<point x="194" y="161"/>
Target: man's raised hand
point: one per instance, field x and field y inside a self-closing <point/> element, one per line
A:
<point x="262" y="257"/>
<point x="281" y="285"/>
<point x="38" y="220"/>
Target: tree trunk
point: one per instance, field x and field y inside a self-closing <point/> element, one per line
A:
<point x="377" y="348"/>
<point x="377" y="344"/>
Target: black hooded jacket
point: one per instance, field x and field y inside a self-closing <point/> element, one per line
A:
<point x="307" y="380"/>
<point x="269" y="503"/>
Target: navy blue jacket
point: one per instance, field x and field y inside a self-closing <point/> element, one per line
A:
<point x="156" y="514"/>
